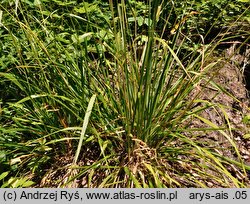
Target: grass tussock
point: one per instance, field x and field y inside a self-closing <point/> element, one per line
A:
<point x="111" y="104"/>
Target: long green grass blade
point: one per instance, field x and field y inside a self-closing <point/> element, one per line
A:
<point x="84" y="127"/>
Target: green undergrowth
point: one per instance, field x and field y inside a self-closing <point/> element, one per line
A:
<point x="102" y="94"/>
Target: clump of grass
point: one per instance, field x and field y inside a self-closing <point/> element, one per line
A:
<point x="138" y="134"/>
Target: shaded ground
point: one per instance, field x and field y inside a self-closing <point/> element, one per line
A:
<point x="231" y="95"/>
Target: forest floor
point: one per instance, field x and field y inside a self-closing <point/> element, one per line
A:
<point x="232" y="96"/>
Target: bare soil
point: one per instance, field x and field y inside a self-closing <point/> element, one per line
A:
<point x="230" y="97"/>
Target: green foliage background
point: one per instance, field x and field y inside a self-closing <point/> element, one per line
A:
<point x="55" y="55"/>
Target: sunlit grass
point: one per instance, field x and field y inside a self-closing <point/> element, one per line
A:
<point x="141" y="89"/>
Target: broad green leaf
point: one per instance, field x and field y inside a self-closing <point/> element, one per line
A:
<point x="246" y="119"/>
<point x="3" y="175"/>
<point x="87" y="8"/>
<point x="80" y="38"/>
<point x="246" y="136"/>
<point x="27" y="184"/>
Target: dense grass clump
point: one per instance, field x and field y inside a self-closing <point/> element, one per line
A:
<point x="101" y="94"/>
